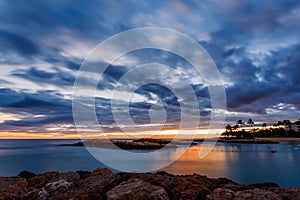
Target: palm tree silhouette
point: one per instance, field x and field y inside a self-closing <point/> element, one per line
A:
<point x="250" y="122"/>
<point x="228" y="130"/>
<point x="240" y="122"/>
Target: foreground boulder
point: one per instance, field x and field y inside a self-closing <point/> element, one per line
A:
<point x="26" y="174"/>
<point x="190" y="188"/>
<point x="93" y="187"/>
<point x="256" y="194"/>
<point x="221" y="193"/>
<point x="154" y="179"/>
<point x="39" y="181"/>
<point x="137" y="189"/>
<point x="12" y="187"/>
<point x="50" y="190"/>
<point x="50" y="184"/>
<point x="286" y="193"/>
<point x="103" y="184"/>
<point x="252" y="194"/>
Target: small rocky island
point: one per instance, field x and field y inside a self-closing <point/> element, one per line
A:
<point x="138" y="144"/>
<point x="103" y="184"/>
<point x="154" y="143"/>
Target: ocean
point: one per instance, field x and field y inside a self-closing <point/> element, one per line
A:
<point x="243" y="163"/>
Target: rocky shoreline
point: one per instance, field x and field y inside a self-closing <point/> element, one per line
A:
<point x="248" y="140"/>
<point x="103" y="184"/>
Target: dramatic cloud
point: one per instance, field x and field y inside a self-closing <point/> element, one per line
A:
<point x="255" y="45"/>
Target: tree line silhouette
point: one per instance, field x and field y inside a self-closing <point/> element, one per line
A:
<point x="279" y="129"/>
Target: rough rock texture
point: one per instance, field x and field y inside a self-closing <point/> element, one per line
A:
<point x="50" y="190"/>
<point x="221" y="193"/>
<point x="154" y="179"/>
<point x="285" y="193"/>
<point x="41" y="180"/>
<point x="256" y="194"/>
<point x="236" y="187"/>
<point x="190" y="188"/>
<point x="26" y="174"/>
<point x="104" y="184"/>
<point x="252" y="194"/>
<point x="12" y="188"/>
<point x="84" y="174"/>
<point x="93" y="187"/>
<point x="137" y="189"/>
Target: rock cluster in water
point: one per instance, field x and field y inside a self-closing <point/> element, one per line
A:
<point x="139" y="144"/>
<point x="104" y="184"/>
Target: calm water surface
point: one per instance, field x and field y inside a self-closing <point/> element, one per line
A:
<point x="243" y="163"/>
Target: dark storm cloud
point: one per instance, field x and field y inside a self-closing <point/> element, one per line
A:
<point x="58" y="77"/>
<point x="39" y="102"/>
<point x="285" y="63"/>
<point x="49" y="104"/>
<point x="13" y="42"/>
<point x="41" y="121"/>
<point x="113" y="73"/>
<point x="255" y="86"/>
<point x="41" y="29"/>
<point x="54" y="57"/>
<point x="278" y="81"/>
<point x="48" y="17"/>
<point x="243" y="22"/>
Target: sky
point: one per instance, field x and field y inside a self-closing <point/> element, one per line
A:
<point x="254" y="44"/>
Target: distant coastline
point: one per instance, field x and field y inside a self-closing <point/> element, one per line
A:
<point x="168" y="138"/>
<point x="153" y="143"/>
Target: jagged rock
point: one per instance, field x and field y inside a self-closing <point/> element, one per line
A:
<point x="93" y="187"/>
<point x="8" y="181"/>
<point x="57" y="185"/>
<point x="253" y="194"/>
<point x="67" y="176"/>
<point x="211" y="183"/>
<point x="164" y="173"/>
<point x="136" y="189"/>
<point x="35" y="194"/>
<point x="221" y="194"/>
<point x="47" y="185"/>
<point x="256" y="194"/>
<point x="190" y="188"/>
<point x="12" y="188"/>
<point x="84" y="174"/>
<point x="41" y="180"/>
<point x="265" y="185"/>
<point x="236" y="187"/>
<point x="287" y="193"/>
<point x="169" y="179"/>
<point x="101" y="172"/>
<point x="153" y="179"/>
<point x="26" y="174"/>
<point x="49" y="191"/>
<point x="223" y="180"/>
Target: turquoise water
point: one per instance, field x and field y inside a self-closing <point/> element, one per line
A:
<point x="243" y="163"/>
